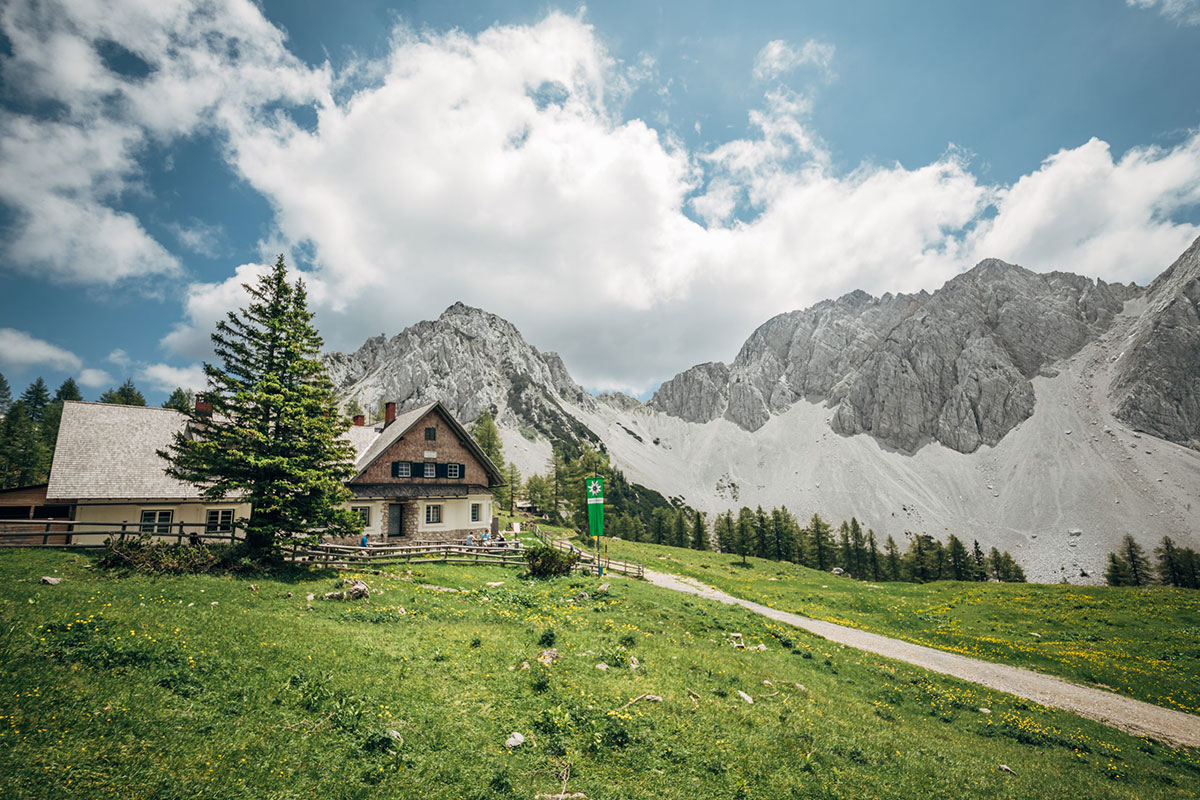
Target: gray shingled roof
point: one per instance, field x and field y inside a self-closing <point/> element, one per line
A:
<point x="107" y="451"/>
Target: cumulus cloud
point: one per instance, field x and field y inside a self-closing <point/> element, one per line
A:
<point x="1184" y="12"/>
<point x="207" y="66"/>
<point x="497" y="169"/>
<point x="165" y="378"/>
<point x="95" y="378"/>
<point x="777" y="58"/>
<point x="20" y="350"/>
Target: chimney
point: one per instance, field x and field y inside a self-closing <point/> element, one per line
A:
<point x="389" y="414"/>
<point x="203" y="406"/>
<point x="359" y="420"/>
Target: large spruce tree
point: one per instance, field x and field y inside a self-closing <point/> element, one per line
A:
<point x="272" y="437"/>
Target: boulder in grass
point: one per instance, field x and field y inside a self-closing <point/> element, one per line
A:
<point x="749" y="700"/>
<point x="46" y="579"/>
<point x="548" y="657"/>
<point x="514" y="740"/>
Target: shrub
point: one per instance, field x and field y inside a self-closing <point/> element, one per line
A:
<point x="547" y="562"/>
<point x="143" y="554"/>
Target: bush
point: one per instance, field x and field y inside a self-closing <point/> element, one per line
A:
<point x="143" y="554"/>
<point x="547" y="562"/>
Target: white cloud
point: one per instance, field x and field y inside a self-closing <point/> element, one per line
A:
<point x="20" y="350"/>
<point x="199" y="237"/>
<point x="496" y="169"/>
<point x="119" y="357"/>
<point x="1183" y="12"/>
<point x="777" y="58"/>
<point x="95" y="378"/>
<point x="211" y="66"/>
<point x="166" y="378"/>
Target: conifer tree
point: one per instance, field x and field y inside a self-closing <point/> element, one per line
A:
<point x="69" y="390"/>
<point x="821" y="546"/>
<point x="979" y="572"/>
<point x="181" y="400"/>
<point x="5" y="397"/>
<point x="892" y="558"/>
<point x="858" y="554"/>
<point x="744" y="533"/>
<point x="353" y="408"/>
<point x="959" y="558"/>
<point x="699" y="533"/>
<point x="679" y="530"/>
<point x="487" y="436"/>
<point x="1117" y="572"/>
<point x="24" y="457"/>
<point x="272" y="438"/>
<point x="1135" y="557"/>
<point x="725" y="532"/>
<point x="845" y="556"/>
<point x="35" y="399"/>
<point x="762" y="535"/>
<point x="873" y="555"/>
<point x="127" y="394"/>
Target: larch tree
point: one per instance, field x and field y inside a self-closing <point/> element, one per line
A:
<point x="181" y="400"/>
<point x="272" y="437"/>
<point x="127" y="394"/>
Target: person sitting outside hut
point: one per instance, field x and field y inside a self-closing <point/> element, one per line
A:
<point x="470" y="539"/>
<point x="486" y="537"/>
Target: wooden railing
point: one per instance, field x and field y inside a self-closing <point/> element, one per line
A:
<point x="62" y="532"/>
<point x="433" y="552"/>
<point x="589" y="561"/>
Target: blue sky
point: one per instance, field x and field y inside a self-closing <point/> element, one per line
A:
<point x="636" y="185"/>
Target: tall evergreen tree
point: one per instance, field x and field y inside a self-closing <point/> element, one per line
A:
<point x="699" y="539"/>
<point x="182" y="400"/>
<point x="273" y="435"/>
<point x="821" y="546"/>
<point x="69" y="390"/>
<point x="744" y="536"/>
<point x="35" y="399"/>
<point x="979" y="569"/>
<point x="353" y="408"/>
<point x="726" y="534"/>
<point x="127" y="394"/>
<point x="5" y="397"/>
<point x="554" y="476"/>
<point x="1135" y="557"/>
<point x="892" y="559"/>
<point x="514" y="486"/>
<point x="1117" y="572"/>
<point x="873" y="556"/>
<point x="858" y="550"/>
<point x="24" y="456"/>
<point x="487" y="436"/>
<point x="762" y="546"/>
<point x="959" y="559"/>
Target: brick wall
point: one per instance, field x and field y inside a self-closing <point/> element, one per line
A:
<point x="412" y="447"/>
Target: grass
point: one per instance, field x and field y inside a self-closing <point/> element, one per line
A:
<point x="202" y="687"/>
<point x="1141" y="642"/>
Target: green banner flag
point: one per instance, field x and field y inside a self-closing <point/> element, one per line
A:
<point x="595" y="506"/>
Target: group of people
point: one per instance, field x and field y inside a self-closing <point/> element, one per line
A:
<point x="486" y="540"/>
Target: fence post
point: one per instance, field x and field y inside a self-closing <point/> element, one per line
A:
<point x="46" y="535"/>
<point x="124" y="525"/>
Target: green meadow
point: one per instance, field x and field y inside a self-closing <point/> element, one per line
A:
<point x="137" y="686"/>
<point x="1141" y="642"/>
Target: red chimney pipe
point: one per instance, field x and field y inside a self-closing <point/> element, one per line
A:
<point x="359" y="420"/>
<point x="203" y="406"/>
<point x="389" y="414"/>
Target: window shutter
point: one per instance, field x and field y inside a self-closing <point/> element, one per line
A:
<point x="462" y="471"/>
<point x="441" y="470"/>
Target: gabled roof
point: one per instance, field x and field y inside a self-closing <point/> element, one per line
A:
<point x="404" y="422"/>
<point x="107" y="451"/>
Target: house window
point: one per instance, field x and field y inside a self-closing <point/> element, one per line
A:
<point x="430" y="469"/>
<point x="433" y="515"/>
<point x="431" y="434"/>
<point x="474" y="512"/>
<point x="453" y="470"/>
<point x="156" y="521"/>
<point x="364" y="513"/>
<point x="403" y="469"/>
<point x="218" y="520"/>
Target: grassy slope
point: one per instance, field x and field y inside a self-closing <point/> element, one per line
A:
<point x="154" y="687"/>
<point x="1144" y="643"/>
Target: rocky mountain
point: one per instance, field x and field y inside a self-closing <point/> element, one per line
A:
<point x="470" y="360"/>
<point x="952" y="367"/>
<point x="1044" y="414"/>
<point x="1157" y="386"/>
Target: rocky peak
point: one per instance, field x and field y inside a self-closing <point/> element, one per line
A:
<point x="1156" y="387"/>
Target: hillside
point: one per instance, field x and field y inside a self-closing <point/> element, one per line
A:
<point x="207" y="687"/>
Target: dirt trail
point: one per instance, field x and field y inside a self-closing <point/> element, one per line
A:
<point x="1124" y="713"/>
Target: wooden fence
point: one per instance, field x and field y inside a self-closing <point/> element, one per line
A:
<point x="589" y="561"/>
<point x="337" y="555"/>
<point x="63" y="532"/>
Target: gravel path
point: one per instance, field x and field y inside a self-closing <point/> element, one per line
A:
<point x="1127" y="714"/>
